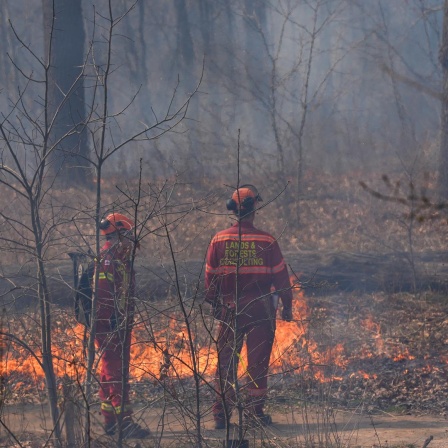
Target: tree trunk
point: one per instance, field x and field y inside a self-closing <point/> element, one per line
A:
<point x="185" y="63"/>
<point x="443" y="165"/>
<point x="47" y="346"/>
<point x="64" y="43"/>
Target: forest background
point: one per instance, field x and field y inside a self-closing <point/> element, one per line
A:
<point x="335" y="110"/>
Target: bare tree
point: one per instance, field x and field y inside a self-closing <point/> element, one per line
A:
<point x="34" y="232"/>
<point x="105" y="146"/>
<point x="64" y="43"/>
<point x="443" y="165"/>
<point x="292" y="89"/>
<point x="34" y="224"/>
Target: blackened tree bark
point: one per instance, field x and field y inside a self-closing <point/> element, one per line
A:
<point x="64" y="43"/>
<point x="443" y="165"/>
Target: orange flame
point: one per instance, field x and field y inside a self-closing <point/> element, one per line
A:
<point x="168" y="352"/>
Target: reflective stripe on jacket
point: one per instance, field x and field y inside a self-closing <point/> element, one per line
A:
<point x="115" y="282"/>
<point x="251" y="255"/>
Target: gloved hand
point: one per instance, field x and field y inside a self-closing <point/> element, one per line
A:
<point x="287" y="314"/>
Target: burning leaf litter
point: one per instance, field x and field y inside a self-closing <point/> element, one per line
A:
<point x="384" y="351"/>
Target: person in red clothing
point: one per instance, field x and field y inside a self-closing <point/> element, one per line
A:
<point x="113" y="327"/>
<point x="243" y="264"/>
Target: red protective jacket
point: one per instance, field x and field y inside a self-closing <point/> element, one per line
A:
<point x="253" y="255"/>
<point x="116" y="284"/>
<point x="115" y="309"/>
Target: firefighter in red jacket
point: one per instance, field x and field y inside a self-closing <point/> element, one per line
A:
<point x="114" y="319"/>
<point x="242" y="265"/>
